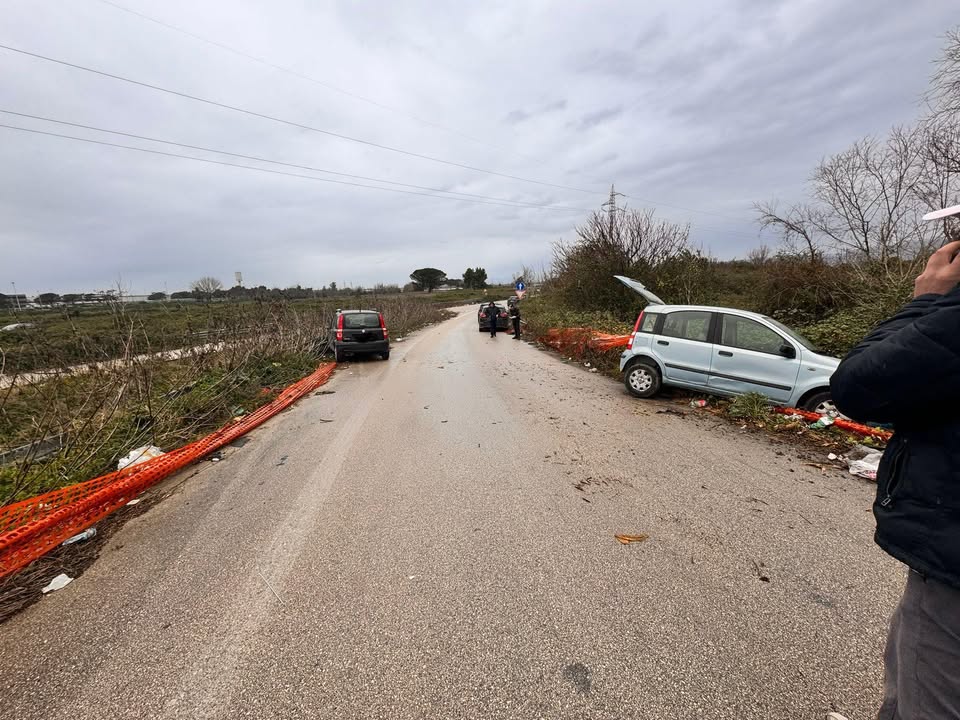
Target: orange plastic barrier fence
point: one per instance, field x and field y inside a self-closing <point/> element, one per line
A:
<point x="31" y="527"/>
<point x="841" y="423"/>
<point x="576" y="341"/>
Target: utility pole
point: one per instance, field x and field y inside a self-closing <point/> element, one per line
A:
<point x="611" y="207"/>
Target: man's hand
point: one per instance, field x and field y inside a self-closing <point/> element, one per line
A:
<point x="942" y="273"/>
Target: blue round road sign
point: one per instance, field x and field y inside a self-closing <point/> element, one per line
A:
<point x="520" y="285"/>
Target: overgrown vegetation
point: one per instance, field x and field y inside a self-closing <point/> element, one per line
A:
<point x="844" y="260"/>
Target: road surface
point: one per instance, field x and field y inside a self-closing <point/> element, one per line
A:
<point x="444" y="548"/>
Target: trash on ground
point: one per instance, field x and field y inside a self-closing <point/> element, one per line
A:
<point x="832" y="456"/>
<point x="627" y="539"/>
<point x="864" y="462"/>
<point x="80" y="537"/>
<point x="794" y="416"/>
<point x="586" y="364"/>
<point x="760" y="574"/>
<point x="403" y="339"/>
<point x="593" y="370"/>
<point x="58" y="583"/>
<point x="134" y="501"/>
<point x="216" y="457"/>
<point x="141" y="454"/>
<point x="698" y="403"/>
<point x="825" y="421"/>
<point x="325" y="392"/>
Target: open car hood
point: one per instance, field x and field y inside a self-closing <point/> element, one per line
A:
<point x="639" y="288"/>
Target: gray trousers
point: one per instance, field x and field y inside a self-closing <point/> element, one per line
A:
<point x="922" y="659"/>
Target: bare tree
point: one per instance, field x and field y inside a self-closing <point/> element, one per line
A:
<point x="795" y="227"/>
<point x="867" y="201"/>
<point x="205" y="287"/>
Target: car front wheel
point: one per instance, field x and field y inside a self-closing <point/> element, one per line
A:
<point x="642" y="379"/>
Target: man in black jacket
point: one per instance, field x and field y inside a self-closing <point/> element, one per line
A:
<point x="492" y="312"/>
<point x="907" y="372"/>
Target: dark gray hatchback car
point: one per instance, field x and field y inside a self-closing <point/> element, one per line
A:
<point x="360" y="332"/>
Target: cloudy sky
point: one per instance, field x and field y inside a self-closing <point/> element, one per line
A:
<point x="696" y="108"/>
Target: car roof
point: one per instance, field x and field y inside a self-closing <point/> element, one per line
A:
<point x="704" y="308"/>
<point x="349" y="312"/>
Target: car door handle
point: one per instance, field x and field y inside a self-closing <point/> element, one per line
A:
<point x="662" y="342"/>
<point x="726" y="354"/>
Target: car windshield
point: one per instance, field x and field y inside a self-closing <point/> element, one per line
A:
<point x="792" y="334"/>
<point x="355" y="321"/>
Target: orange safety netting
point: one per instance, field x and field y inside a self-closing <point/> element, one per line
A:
<point x="31" y="527"/>
<point x="841" y="423"/>
<point x="576" y="341"/>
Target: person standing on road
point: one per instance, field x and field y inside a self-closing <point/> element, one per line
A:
<point x="515" y="317"/>
<point x="907" y="372"/>
<point x="492" y="313"/>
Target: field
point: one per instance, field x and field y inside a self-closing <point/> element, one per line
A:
<point x="73" y="425"/>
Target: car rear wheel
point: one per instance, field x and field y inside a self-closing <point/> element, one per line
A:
<point x="338" y="355"/>
<point x="820" y="403"/>
<point x="386" y="355"/>
<point x="642" y="379"/>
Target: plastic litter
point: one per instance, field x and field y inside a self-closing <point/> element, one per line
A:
<point x="80" y="537"/>
<point x="58" y="583"/>
<point x="832" y="456"/>
<point x="825" y="421"/>
<point x="141" y="454"/>
<point x="864" y="462"/>
<point x="698" y="403"/>
<point x="627" y="539"/>
<point x="134" y="501"/>
<point x="593" y="370"/>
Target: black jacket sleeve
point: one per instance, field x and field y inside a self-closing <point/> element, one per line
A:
<point x="907" y="365"/>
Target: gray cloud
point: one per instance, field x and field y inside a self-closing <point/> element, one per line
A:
<point x="699" y="109"/>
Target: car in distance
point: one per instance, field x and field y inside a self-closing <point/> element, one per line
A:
<point x="503" y="320"/>
<point x="359" y="332"/>
<point x="723" y="351"/>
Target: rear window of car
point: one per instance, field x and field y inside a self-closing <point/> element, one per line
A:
<point x="687" y="324"/>
<point x="649" y="322"/>
<point x="356" y="321"/>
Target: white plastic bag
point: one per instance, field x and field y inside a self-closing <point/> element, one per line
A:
<point x="866" y="466"/>
<point x="141" y="454"/>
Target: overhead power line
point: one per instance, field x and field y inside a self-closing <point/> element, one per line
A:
<point x="465" y="196"/>
<point x="356" y="96"/>
<point x="308" y="78"/>
<point x="291" y="123"/>
<point x="282" y="172"/>
<point x="330" y="133"/>
<point x="519" y="203"/>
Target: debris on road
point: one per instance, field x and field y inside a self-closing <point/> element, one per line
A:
<point x="216" y="457"/>
<point x="283" y="461"/>
<point x="671" y="411"/>
<point x="825" y="421"/>
<point x="80" y="537"/>
<point x="627" y="539"/>
<point x="698" y="403"/>
<point x="864" y="462"/>
<point x="832" y="456"/>
<point x="760" y="574"/>
<point x="325" y="392"/>
<point x="58" y="583"/>
<point x="139" y="455"/>
<point x="134" y="501"/>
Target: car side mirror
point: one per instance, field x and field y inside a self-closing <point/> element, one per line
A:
<point x="788" y="351"/>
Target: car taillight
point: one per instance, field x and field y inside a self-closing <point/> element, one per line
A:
<point x="633" y="335"/>
<point x="340" y="329"/>
<point x="383" y="326"/>
<point x="503" y="314"/>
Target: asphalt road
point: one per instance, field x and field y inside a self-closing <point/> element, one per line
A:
<point x="444" y="548"/>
